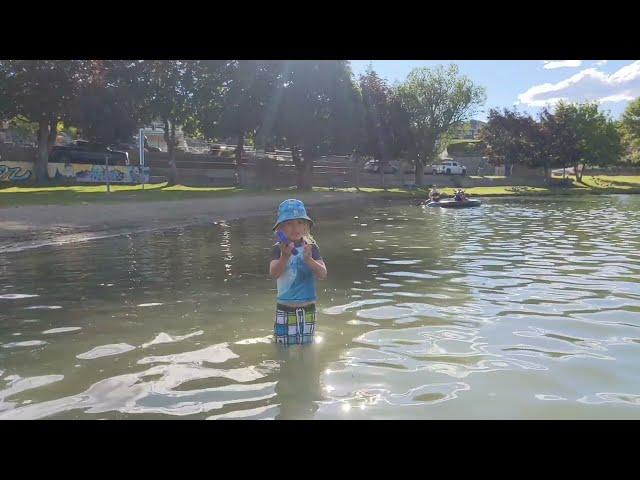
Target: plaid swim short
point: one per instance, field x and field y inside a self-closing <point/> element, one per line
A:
<point x="294" y="325"/>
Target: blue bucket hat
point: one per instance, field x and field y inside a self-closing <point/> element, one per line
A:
<point x="291" y="209"/>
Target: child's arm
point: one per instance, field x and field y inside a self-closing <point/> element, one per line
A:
<point x="318" y="267"/>
<point x="276" y="267"/>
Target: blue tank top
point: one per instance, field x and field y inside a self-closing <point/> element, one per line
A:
<point x="297" y="284"/>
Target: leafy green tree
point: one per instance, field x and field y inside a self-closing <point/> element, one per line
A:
<point x="436" y="101"/>
<point x="40" y="91"/>
<point x="244" y="106"/>
<point x="315" y="105"/>
<point x="581" y="135"/>
<point x="168" y="88"/>
<point x="630" y="129"/>
<point x="511" y="137"/>
<point x="23" y="128"/>
<point x="107" y="106"/>
<point x="387" y="133"/>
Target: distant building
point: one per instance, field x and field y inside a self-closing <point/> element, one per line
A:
<point x="470" y="130"/>
<point x="155" y="136"/>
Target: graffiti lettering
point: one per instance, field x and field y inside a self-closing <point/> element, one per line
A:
<point x="14" y="174"/>
<point x="18" y="172"/>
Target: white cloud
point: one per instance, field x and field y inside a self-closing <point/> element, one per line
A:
<point x="551" y="64"/>
<point x="600" y="62"/>
<point x="587" y="85"/>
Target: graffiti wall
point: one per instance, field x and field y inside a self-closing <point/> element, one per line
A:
<point x="16" y="172"/>
<point x="98" y="173"/>
<point x="20" y="172"/>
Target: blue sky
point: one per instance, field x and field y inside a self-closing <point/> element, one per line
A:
<point x="530" y="84"/>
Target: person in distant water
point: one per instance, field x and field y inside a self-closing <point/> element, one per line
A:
<point x="434" y="195"/>
<point x="460" y="195"/>
<point x="296" y="275"/>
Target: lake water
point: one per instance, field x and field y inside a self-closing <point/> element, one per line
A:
<point x="521" y="308"/>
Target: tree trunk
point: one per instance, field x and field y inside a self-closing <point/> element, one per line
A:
<point x="170" y="139"/>
<point x="381" y="165"/>
<point x="240" y="180"/>
<point x="53" y="133"/>
<point x="419" y="173"/>
<point x="578" y="172"/>
<point x="547" y="173"/>
<point x="239" y="149"/>
<point x="40" y="165"/>
<point x="295" y="157"/>
<point x="356" y="171"/>
<point x="304" y="169"/>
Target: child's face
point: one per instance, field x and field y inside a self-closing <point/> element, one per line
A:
<point x="294" y="229"/>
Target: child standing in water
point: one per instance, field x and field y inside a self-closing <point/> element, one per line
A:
<point x="296" y="275"/>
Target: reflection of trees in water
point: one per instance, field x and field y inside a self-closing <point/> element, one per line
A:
<point x="179" y="251"/>
<point x="215" y="256"/>
<point x="210" y="258"/>
<point x="62" y="271"/>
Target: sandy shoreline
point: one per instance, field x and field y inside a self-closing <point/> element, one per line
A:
<point x="38" y="225"/>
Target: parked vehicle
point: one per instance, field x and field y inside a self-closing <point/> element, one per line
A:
<point x="133" y="146"/>
<point x="125" y="146"/>
<point x="81" y="151"/>
<point x="373" y="166"/>
<point x="450" y="203"/>
<point x="449" y="167"/>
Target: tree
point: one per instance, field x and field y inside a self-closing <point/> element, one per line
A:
<point x="23" y="129"/>
<point x="436" y="101"/>
<point x="581" y="135"/>
<point x="40" y="91"/>
<point x="248" y="87"/>
<point x="6" y="110"/>
<point x="169" y="87"/>
<point x="630" y="129"/>
<point x="513" y="138"/>
<point x="107" y="106"/>
<point x="540" y="145"/>
<point x="315" y="106"/>
<point x="378" y="139"/>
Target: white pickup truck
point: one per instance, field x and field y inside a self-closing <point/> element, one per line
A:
<point x="449" y="167"/>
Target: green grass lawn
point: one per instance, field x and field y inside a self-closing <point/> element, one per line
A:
<point x="124" y="193"/>
<point x="98" y="194"/>
<point x="591" y="185"/>
<point x="69" y="195"/>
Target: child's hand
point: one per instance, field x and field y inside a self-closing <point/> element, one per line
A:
<point x="307" y="252"/>
<point x="285" y="250"/>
